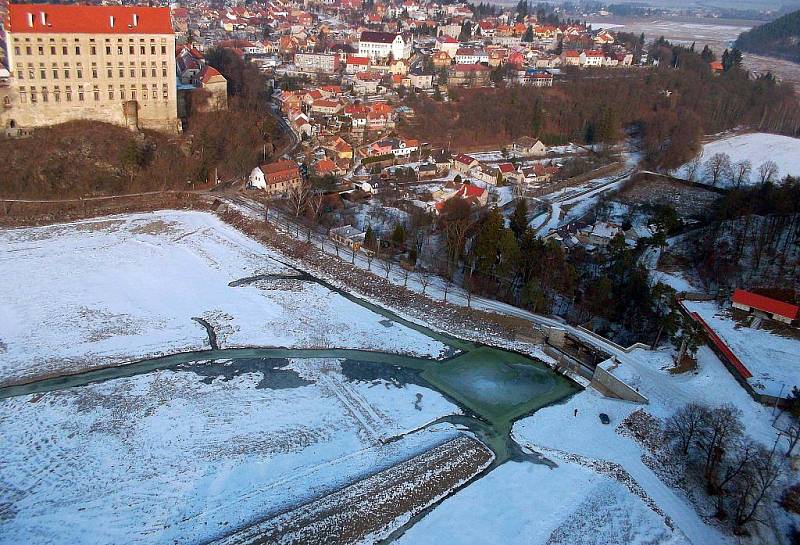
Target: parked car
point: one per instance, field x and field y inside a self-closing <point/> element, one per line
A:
<point x="604" y="418"/>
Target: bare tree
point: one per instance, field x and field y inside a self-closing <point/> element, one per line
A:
<point x="721" y="428"/>
<point x="406" y="274"/>
<point x="386" y="263"/>
<point x="738" y="462"/>
<point x="792" y="433"/>
<point x="369" y="255"/>
<point x="718" y="167"/>
<point x="336" y="246"/>
<point x="767" y="172"/>
<point x="424" y="276"/>
<point x="297" y="199"/>
<point x="693" y="169"/>
<point x="755" y="485"/>
<point x="315" y="200"/>
<point x="684" y="426"/>
<point x="742" y="171"/>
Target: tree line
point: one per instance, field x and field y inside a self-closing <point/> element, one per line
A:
<point x="672" y="106"/>
<point x="740" y="476"/>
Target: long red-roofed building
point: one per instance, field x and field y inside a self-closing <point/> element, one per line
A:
<point x="106" y="63"/>
<point x="778" y="310"/>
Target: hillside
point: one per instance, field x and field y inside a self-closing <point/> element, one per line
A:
<point x="779" y="38"/>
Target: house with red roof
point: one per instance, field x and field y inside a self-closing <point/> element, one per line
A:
<point x="356" y="64"/>
<point x="775" y="309"/>
<point x="277" y="179"/>
<point x="85" y="33"/>
<point x="463" y="163"/>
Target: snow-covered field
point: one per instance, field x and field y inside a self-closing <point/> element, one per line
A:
<point x="773" y="360"/>
<point x="180" y="456"/>
<point x="758" y="148"/>
<point x="111" y="290"/>
<point x="534" y="504"/>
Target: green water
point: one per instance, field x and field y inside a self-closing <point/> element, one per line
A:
<point x="493" y="387"/>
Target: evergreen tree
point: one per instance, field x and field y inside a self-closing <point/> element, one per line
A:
<point x="499" y="181"/>
<point x="528" y="36"/>
<point x="708" y="55"/>
<point x="519" y="218"/>
<point x="398" y="235"/>
<point x="370" y="241"/>
<point x="486" y="245"/>
<point x="466" y="32"/>
<point x="508" y="255"/>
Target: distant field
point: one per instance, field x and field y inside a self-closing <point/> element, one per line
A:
<point x="758" y="148"/>
<point x="718" y="34"/>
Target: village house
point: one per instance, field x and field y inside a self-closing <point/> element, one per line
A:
<point x="468" y="75"/>
<point x="325" y="107"/>
<point x="447" y="44"/>
<point x="349" y="236"/>
<point x="380" y="45"/>
<point x="276" y="179"/>
<point x="366" y="83"/>
<point x="316" y="63"/>
<point x="528" y="147"/>
<point x="601" y="233"/>
<point x="356" y="64"/>
<point x="571" y="58"/>
<point x="535" y="78"/>
<point x="773" y="308"/>
<point x="591" y="58"/>
<point x="469" y="55"/>
<point x="441" y="59"/>
<point x="463" y="163"/>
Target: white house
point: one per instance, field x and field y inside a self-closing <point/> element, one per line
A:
<point x="379" y="45"/>
<point x="591" y="58"/>
<point x="469" y="55"/>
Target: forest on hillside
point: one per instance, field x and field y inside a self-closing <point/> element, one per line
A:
<point x="672" y="106"/>
<point x="779" y="38"/>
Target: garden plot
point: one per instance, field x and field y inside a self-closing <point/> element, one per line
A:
<point x="193" y="454"/>
<point x="108" y="291"/>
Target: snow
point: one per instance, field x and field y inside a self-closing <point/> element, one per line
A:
<point x="758" y="148"/>
<point x="178" y="456"/>
<point x="771" y="358"/>
<point x="674" y="280"/>
<point x="108" y="291"/>
<point x="556" y="427"/>
<point x="524" y="503"/>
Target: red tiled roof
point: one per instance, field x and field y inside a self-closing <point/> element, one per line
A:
<point x="63" y="18"/>
<point x="279" y="166"/>
<point x="463" y="158"/>
<point x="208" y="72"/>
<point x="766" y="304"/>
<point x="505" y="168"/>
<point x="355" y="59"/>
<point x="469" y="190"/>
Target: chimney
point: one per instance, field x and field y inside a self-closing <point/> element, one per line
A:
<point x="135" y="19"/>
<point x="30" y="20"/>
<point x="111" y="21"/>
<point x="43" y="16"/>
